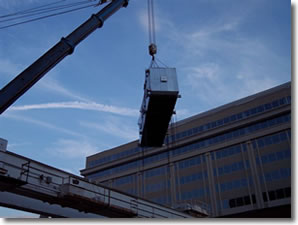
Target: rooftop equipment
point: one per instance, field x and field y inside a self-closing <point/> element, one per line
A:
<point x="3" y="144"/>
<point x="160" y="96"/>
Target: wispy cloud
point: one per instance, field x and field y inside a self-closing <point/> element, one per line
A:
<point x="220" y="63"/>
<point x="13" y="146"/>
<point x="206" y="82"/>
<point x="213" y="85"/>
<point x="183" y="113"/>
<point x="55" y="87"/>
<point x="9" y="68"/>
<point x="142" y="17"/>
<point x="42" y="124"/>
<point x="79" y="105"/>
<point x="115" y="127"/>
<point x="11" y="4"/>
<point x="72" y="149"/>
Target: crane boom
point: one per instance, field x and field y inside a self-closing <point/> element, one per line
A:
<point x="26" y="79"/>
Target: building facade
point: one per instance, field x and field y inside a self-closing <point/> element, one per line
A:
<point x="234" y="160"/>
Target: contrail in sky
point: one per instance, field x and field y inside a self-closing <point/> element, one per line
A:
<point x="123" y="111"/>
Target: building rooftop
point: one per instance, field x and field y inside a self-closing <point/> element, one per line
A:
<point x="213" y="111"/>
<point x="235" y="103"/>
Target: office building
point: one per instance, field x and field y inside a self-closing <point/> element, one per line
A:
<point x="234" y="160"/>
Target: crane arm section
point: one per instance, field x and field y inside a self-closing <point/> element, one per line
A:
<point x="26" y="79"/>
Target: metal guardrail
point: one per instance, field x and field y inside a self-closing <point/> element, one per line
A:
<point x="26" y="177"/>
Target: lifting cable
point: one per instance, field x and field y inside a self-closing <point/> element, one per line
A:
<point x="41" y="10"/>
<point x="30" y="10"/>
<point x="151" y="29"/>
<point x="152" y="39"/>
<point x="46" y="9"/>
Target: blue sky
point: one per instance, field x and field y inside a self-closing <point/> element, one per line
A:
<point x="223" y="50"/>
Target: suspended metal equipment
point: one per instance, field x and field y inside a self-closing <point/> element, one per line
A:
<point x="160" y="95"/>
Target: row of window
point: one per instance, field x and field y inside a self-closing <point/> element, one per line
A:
<point x="276" y="175"/>
<point x="156" y="172"/>
<point x="275" y="156"/>
<point x="238" y="202"/>
<point x="248" y="200"/>
<point x="148" y="173"/>
<point x="231" y="203"/>
<point x="163" y="200"/>
<point x="270" y="176"/>
<point x="194" y="194"/>
<point x="113" y="157"/>
<point x="236" y="117"/>
<point x="229" y="168"/>
<point x="226" y="152"/>
<point x="222" y="153"/>
<point x="270" y="140"/>
<point x="231" y="150"/>
<point x="131" y="191"/>
<point x="235" y="184"/>
<point x="155" y="187"/>
<point x="273" y="175"/>
<point x="226" y="169"/>
<point x="277" y="194"/>
<point x="155" y="158"/>
<point x="196" y="130"/>
<point x="124" y="180"/>
<point x="115" y="170"/>
<point x="191" y="162"/>
<point x="233" y="134"/>
<point x="193" y="177"/>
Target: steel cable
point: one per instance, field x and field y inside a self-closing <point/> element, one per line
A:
<point x="28" y="10"/>
<point x="46" y="16"/>
<point x="34" y="13"/>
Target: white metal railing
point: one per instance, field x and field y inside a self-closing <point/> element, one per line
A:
<point x="49" y="184"/>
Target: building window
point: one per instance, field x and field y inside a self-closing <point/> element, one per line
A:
<point x="280" y="193"/>
<point x="277" y="194"/>
<point x="155" y="172"/>
<point x="156" y="187"/>
<point x="272" y="195"/>
<point x="241" y="201"/>
<point x="225" y="204"/>
<point x="229" y="168"/>
<point x="232" y="203"/>
<point x="193" y="194"/>
<point x="287" y="192"/>
<point x="239" y="116"/>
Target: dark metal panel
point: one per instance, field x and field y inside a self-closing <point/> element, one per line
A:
<point x="160" y="96"/>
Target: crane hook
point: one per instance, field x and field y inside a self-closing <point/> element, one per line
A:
<point x="152" y="49"/>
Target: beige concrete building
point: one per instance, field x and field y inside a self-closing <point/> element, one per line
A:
<point x="234" y="160"/>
